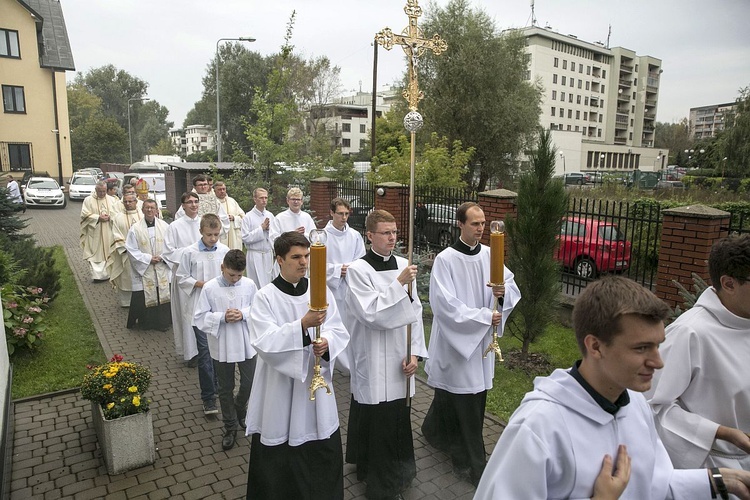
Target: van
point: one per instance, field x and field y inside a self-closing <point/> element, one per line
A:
<point x="156" y="186"/>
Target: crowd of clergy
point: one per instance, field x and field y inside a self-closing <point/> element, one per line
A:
<point x="234" y="287"/>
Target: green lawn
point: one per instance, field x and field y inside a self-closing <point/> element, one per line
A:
<point x="69" y="345"/>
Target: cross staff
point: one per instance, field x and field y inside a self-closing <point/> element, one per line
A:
<point x="414" y="44"/>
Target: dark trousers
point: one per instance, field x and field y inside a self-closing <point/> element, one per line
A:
<point x="148" y="318"/>
<point x="454" y="424"/>
<point x="206" y="376"/>
<point x="234" y="408"/>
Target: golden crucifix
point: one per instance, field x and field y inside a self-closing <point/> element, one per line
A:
<point x="414" y="44"/>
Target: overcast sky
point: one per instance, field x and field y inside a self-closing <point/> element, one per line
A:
<point x="704" y="46"/>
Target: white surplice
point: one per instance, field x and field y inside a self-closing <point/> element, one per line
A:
<point x="259" y="244"/>
<point x="379" y="310"/>
<point x="227" y="342"/>
<point x="280" y="409"/>
<point x="289" y="221"/>
<point x="462" y="305"/>
<point x="142" y="243"/>
<point x="705" y="383"/>
<point x="555" y="442"/>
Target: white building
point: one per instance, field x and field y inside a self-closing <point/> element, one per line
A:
<point x="349" y="118"/>
<point x="193" y="139"/>
<point x="608" y="96"/>
<point x="707" y="121"/>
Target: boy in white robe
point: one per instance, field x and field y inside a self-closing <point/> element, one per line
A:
<point x="150" y="297"/>
<point x="463" y="308"/>
<point x="199" y="263"/>
<point x="208" y="203"/>
<point x="296" y="443"/>
<point x="222" y="313"/>
<point x="293" y="218"/>
<point x="702" y="396"/>
<point x="258" y="232"/>
<point x="182" y="233"/>
<point x="561" y="441"/>
<point x="379" y="438"/>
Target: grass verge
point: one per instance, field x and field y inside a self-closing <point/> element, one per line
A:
<point x="69" y="345"/>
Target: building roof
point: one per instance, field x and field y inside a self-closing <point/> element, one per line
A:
<point x="56" y="52"/>
<point x="204" y="165"/>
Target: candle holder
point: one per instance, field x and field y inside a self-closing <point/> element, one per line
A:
<point x="497" y="277"/>
<point x="318" y="302"/>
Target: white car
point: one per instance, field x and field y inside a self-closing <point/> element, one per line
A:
<point x="156" y="186"/>
<point x="81" y="186"/>
<point x="44" y="192"/>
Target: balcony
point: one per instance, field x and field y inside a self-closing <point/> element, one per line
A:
<point x="620" y="141"/>
<point x="623" y="96"/>
<point x="627" y="68"/>
<point x="624" y="83"/>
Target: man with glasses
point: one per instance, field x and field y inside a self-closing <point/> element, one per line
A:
<point x="209" y="203"/>
<point x="701" y="397"/>
<point x="258" y="234"/>
<point x="380" y="309"/>
<point x="293" y="218"/>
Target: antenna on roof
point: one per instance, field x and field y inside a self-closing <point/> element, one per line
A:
<point x="533" y="15"/>
<point x="609" y="33"/>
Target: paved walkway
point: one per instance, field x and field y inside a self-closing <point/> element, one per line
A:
<point x="55" y="451"/>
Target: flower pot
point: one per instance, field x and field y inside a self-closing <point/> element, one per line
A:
<point x="127" y="442"/>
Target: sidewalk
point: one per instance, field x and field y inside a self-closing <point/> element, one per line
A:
<point x="55" y="451"/>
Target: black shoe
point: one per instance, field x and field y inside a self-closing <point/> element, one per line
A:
<point x="193" y="362"/>
<point x="209" y="408"/>
<point x="227" y="442"/>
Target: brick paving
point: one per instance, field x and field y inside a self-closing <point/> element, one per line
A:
<point x="55" y="454"/>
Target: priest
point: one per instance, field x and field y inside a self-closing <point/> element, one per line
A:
<point x="118" y="263"/>
<point x="258" y="234"/>
<point x="145" y="243"/>
<point x="233" y="237"/>
<point x="462" y="304"/>
<point x="96" y="229"/>
<point x="296" y="442"/>
<point x="379" y="439"/>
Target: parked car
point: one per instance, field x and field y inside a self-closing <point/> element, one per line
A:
<point x="576" y="178"/>
<point x="95" y="171"/>
<point x="156" y="186"/>
<point x="44" y="192"/>
<point x="81" y="185"/>
<point x="668" y="184"/>
<point x="436" y="224"/>
<point x="590" y="246"/>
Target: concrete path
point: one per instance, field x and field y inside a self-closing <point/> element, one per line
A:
<point x="55" y="452"/>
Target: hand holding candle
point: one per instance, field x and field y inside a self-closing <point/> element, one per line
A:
<point x="497" y="252"/>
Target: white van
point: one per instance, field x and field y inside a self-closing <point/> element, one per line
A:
<point x="156" y="186"/>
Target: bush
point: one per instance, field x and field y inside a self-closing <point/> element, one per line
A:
<point x="37" y="263"/>
<point x="23" y="314"/>
<point x="117" y="386"/>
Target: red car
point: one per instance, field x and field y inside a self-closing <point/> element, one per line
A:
<point x="590" y="246"/>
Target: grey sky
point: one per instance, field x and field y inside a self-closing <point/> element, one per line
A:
<point x="704" y="46"/>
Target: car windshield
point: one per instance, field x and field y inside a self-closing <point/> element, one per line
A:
<point x="84" y="181"/>
<point x="610" y="233"/>
<point x="155" y="183"/>
<point x="43" y="184"/>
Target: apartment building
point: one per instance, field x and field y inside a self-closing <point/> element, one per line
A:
<point x="34" y="54"/>
<point x="607" y="95"/>
<point x="707" y="121"/>
<point x="193" y="139"/>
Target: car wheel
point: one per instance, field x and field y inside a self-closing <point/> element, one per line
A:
<point x="580" y="182"/>
<point x="445" y="239"/>
<point x="585" y="268"/>
<point x="65" y="204"/>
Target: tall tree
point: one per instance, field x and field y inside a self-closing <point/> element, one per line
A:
<point x="735" y="139"/>
<point x="542" y="203"/>
<point x="673" y="136"/>
<point x="476" y="91"/>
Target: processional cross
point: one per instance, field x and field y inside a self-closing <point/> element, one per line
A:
<point x="414" y="44"/>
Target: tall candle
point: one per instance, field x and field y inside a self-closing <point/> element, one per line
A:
<point x="318" y="277"/>
<point x="497" y="258"/>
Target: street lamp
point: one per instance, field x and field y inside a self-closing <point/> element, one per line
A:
<point x="218" y="108"/>
<point x="562" y="155"/>
<point x="130" y="139"/>
<point x="601" y="160"/>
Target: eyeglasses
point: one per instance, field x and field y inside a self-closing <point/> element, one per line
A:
<point x="295" y="199"/>
<point x="342" y="214"/>
<point x="386" y="233"/>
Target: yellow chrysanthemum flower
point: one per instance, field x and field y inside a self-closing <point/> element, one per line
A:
<point x="132" y="388"/>
<point x="110" y="406"/>
<point x="136" y="401"/>
<point x="107" y="386"/>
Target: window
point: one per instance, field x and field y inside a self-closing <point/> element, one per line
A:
<point x="9" y="44"/>
<point x="585" y="101"/>
<point x="569" y="127"/>
<point x="600" y="117"/>
<point x="585" y="116"/>
<point x="562" y="96"/>
<point x="631" y="122"/>
<point x="362" y="128"/>
<point x="632" y="108"/>
<point x="603" y="89"/>
<point x="631" y="136"/>
<point x="565" y="64"/>
<point x="577" y="128"/>
<point x="578" y="115"/>
<point x="346" y="127"/>
<point x="562" y="112"/>
<point x="604" y="73"/>
<point x="553" y="111"/>
<point x="578" y="99"/>
<point x="635" y="81"/>
<point x="553" y="126"/>
<point x="580" y="68"/>
<point x="580" y="83"/>
<point x="347" y="143"/>
<point x="588" y="85"/>
<point x="19" y="156"/>
<point x="556" y="63"/>
<point x="563" y="80"/>
<point x="361" y="144"/>
<point x="636" y="68"/>
<point x="588" y="70"/>
<point x="13" y="99"/>
<point x="572" y="82"/>
<point x="554" y="78"/>
<point x="570" y="98"/>
<point x="570" y="114"/>
<point x="572" y="66"/>
<point x="633" y="95"/>
<point x="527" y="75"/>
<point x="598" y="132"/>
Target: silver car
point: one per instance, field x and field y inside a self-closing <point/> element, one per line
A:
<point x="44" y="192"/>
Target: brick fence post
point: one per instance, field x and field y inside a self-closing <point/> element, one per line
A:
<point x="498" y="204"/>
<point x="322" y="191"/>
<point x="686" y="238"/>
<point x="395" y="199"/>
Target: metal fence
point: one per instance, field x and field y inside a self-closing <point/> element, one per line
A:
<point x="599" y="236"/>
<point x="361" y="196"/>
<point x="740" y="221"/>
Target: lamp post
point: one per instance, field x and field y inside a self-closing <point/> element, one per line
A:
<point x="218" y="108"/>
<point x="601" y="159"/>
<point x="562" y="155"/>
<point x="130" y="138"/>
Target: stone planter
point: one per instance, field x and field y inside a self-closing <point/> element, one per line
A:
<point x="127" y="442"/>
